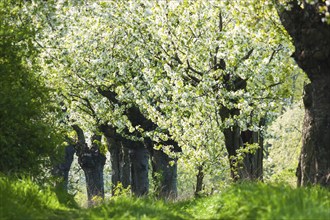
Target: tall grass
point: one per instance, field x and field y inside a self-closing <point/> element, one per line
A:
<point x="261" y="201"/>
<point x="22" y="199"/>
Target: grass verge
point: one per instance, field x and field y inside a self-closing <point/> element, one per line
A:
<point x="22" y="199"/>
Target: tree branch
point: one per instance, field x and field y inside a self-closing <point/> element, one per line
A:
<point x="80" y="133"/>
<point x="247" y="56"/>
<point x="220" y="22"/>
<point x="273" y="53"/>
<point x="192" y="69"/>
<point x="111" y="96"/>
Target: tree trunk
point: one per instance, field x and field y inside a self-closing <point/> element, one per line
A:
<point x="164" y="175"/>
<point x="92" y="161"/>
<point x="252" y="163"/>
<point x="129" y="161"/>
<point x="115" y="165"/>
<point x="140" y="185"/>
<point x="232" y="142"/>
<point x="120" y="166"/>
<point x="125" y="167"/>
<point x="92" y="164"/>
<point x="199" y="179"/>
<point x="251" y="166"/>
<point x="62" y="169"/>
<point x="311" y="38"/>
<point x="139" y="158"/>
<point x="314" y="162"/>
<point x="119" y="158"/>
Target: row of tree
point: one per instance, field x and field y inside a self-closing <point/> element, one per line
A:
<point x="167" y="80"/>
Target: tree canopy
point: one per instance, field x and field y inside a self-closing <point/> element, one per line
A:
<point x="172" y="59"/>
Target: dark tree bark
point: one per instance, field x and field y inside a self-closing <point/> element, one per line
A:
<point x="125" y="166"/>
<point x="164" y="175"/>
<point x="62" y="169"/>
<point x="251" y="168"/>
<point x="199" y="179"/>
<point x="119" y="158"/>
<point x="129" y="161"/>
<point x="252" y="163"/>
<point x="311" y="38"/>
<point x="139" y="157"/>
<point x="69" y="154"/>
<point x="164" y="169"/>
<point x="92" y="161"/>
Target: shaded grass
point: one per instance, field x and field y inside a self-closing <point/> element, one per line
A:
<point x="137" y="208"/>
<point x="21" y="199"/>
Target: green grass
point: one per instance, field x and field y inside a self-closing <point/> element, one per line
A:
<point x="22" y="199"/>
<point x="261" y="201"/>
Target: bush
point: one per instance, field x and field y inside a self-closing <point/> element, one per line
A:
<point x="27" y="129"/>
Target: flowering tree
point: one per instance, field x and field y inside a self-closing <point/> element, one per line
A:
<point x="190" y="76"/>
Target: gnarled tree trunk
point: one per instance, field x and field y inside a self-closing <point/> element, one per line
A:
<point x="252" y="162"/>
<point x="92" y="161"/>
<point x="314" y="162"/>
<point x="129" y="162"/>
<point x="250" y="168"/>
<point x="62" y="169"/>
<point x="311" y="38"/>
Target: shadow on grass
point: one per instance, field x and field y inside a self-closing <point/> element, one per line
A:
<point x="137" y="208"/>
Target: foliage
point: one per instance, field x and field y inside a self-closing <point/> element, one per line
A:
<point x="22" y="199"/>
<point x="283" y="143"/>
<point x="119" y="190"/>
<point x="27" y="133"/>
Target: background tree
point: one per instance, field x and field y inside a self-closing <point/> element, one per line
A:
<point x="91" y="160"/>
<point x="282" y="144"/>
